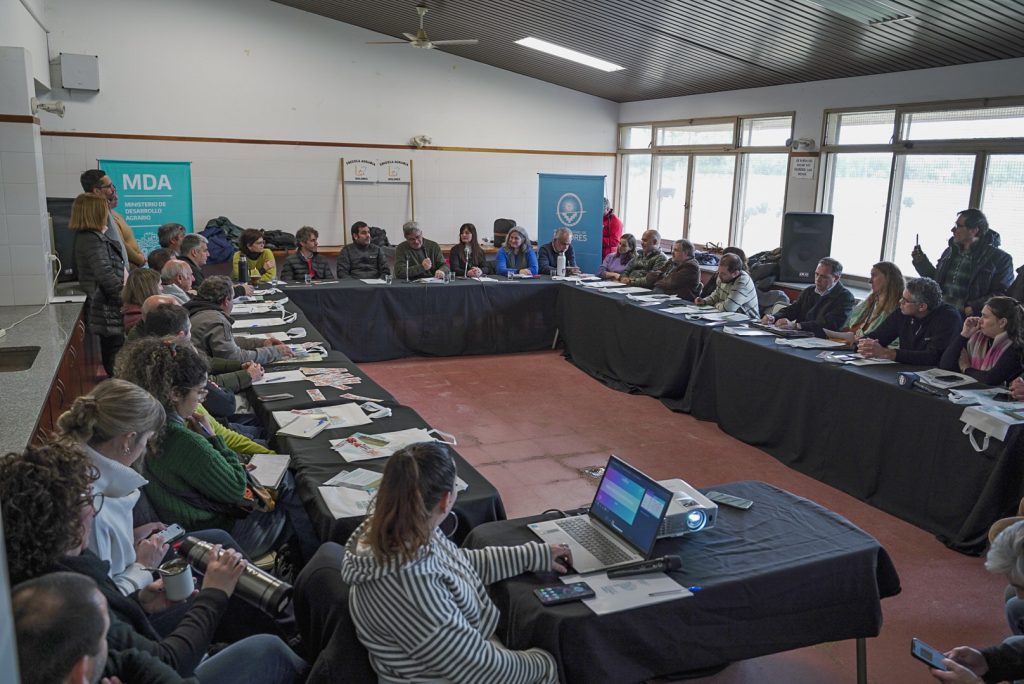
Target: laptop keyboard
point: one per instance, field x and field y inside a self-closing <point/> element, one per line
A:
<point x="593" y="541"/>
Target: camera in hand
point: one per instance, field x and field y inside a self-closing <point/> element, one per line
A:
<point x="255" y="586"/>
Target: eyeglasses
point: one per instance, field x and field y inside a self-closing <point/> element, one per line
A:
<point x="201" y="392"/>
<point x="907" y="301"/>
<point x="108" y="186"/>
<point x="95" y="500"/>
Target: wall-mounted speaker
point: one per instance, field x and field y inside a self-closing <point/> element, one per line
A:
<point x="806" y="238"/>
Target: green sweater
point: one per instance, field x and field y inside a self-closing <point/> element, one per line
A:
<point x="642" y="264"/>
<point x="194" y="464"/>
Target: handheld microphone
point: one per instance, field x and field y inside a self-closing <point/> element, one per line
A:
<point x="663" y="564"/>
<point x="466" y="273"/>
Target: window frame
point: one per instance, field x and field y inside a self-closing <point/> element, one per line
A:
<point x="981" y="148"/>
<point x="733" y="148"/>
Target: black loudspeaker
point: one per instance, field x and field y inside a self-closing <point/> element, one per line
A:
<point x="806" y="238"/>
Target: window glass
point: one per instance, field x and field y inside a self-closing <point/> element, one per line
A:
<point x="995" y="122"/>
<point x="934" y="188"/>
<point x="771" y="131"/>
<point x="635" y="137"/>
<point x="636" y="185"/>
<point x="670" y="195"/>
<point x="762" y="190"/>
<point x="1003" y="201"/>
<point x="697" y="134"/>
<point x="857" y="188"/>
<point x="861" y="128"/>
<point x="711" y="198"/>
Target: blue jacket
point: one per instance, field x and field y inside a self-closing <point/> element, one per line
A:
<point x="502" y="266"/>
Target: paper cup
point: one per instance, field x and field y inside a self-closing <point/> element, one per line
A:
<point x="177" y="577"/>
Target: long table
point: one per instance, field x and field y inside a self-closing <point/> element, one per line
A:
<point x="380" y="322"/>
<point x="313" y="462"/>
<point x="785" y="574"/>
<point x="852" y="428"/>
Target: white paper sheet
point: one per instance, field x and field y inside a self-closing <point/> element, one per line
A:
<point x="248" y="323"/>
<point x="344" y="502"/>
<point x="614" y="595"/>
<point x="604" y="283"/>
<point x="340" y="415"/>
<point x="744" y="331"/>
<point x="280" y="376"/>
<point x="631" y="290"/>
<point x="269" y="468"/>
<point x="689" y="309"/>
<point x="374" y="281"/>
<point x="716" y="316"/>
<point x="809" y="343"/>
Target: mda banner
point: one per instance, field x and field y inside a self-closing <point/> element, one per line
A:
<point x="151" y="193"/>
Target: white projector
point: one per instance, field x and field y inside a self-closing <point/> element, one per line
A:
<point x="689" y="512"/>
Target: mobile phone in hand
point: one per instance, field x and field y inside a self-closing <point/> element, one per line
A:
<point x="170" y="534"/>
<point x="928" y="655"/>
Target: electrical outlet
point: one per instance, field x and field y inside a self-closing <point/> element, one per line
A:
<point x="52" y="257"/>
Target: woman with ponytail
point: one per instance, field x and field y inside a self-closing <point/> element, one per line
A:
<point x="113" y="425"/>
<point x="989" y="346"/>
<point x="419" y="602"/>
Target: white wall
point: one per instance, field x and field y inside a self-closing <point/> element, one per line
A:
<point x="810" y="100"/>
<point x="19" y="29"/>
<point x="259" y="70"/>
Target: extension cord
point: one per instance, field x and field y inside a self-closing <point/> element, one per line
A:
<point x="3" y="331"/>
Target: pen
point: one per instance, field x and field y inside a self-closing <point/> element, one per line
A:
<point x="666" y="593"/>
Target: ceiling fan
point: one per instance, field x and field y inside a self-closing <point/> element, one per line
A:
<point x="420" y="40"/>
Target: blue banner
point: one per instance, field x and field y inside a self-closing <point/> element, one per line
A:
<point x="577" y="203"/>
<point x="151" y="193"/>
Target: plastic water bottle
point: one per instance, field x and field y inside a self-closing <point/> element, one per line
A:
<point x="560" y="264"/>
<point x="243" y="269"/>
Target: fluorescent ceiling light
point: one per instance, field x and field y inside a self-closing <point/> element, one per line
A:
<point x="566" y="53"/>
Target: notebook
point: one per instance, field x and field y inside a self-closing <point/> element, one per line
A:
<point x="621" y="525"/>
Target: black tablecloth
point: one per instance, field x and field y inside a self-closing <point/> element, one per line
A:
<point x="313" y="462"/>
<point x="854" y="428"/>
<point x="381" y="322"/>
<point x="785" y="574"/>
<point x="628" y="347"/>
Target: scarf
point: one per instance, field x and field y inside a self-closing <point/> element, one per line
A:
<point x="985" y="352"/>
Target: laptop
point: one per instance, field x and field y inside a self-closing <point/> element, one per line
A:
<point x="621" y="525"/>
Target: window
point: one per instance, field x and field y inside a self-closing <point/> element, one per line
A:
<point x="1002" y="200"/>
<point x="897" y="177"/>
<point x="635" y="177"/>
<point x="710" y="180"/>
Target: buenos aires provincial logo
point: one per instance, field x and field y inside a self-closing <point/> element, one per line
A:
<point x="570" y="209"/>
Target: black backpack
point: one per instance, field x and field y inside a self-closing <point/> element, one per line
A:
<point x="278" y="239"/>
<point x="379" y="237"/>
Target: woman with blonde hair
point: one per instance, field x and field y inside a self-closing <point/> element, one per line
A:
<point x="419" y="602"/>
<point x="141" y="283"/>
<point x="886" y="289"/>
<point x="516" y="256"/>
<point x="101" y="271"/>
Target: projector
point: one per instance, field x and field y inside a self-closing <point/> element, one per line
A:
<point x="689" y="512"/>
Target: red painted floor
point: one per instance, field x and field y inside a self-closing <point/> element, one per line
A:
<point x="528" y="422"/>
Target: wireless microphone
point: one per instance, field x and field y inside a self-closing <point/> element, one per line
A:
<point x="663" y="564"/>
<point x="466" y="274"/>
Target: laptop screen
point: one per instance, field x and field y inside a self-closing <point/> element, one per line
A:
<point x="631" y="504"/>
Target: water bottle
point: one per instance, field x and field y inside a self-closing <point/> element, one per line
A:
<point x="560" y="264"/>
<point x="255" y="586"/>
<point x="243" y="269"/>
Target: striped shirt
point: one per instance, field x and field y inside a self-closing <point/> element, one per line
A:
<point x="432" y="619"/>
<point x="739" y="295"/>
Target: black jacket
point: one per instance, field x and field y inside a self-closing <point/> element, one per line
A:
<point x="183" y="649"/>
<point x="356" y="261"/>
<point x="922" y="340"/>
<point x="993" y="275"/>
<point x="815" y="313"/>
<point x="457" y="261"/>
<point x="547" y="259"/>
<point x="294" y="267"/>
<point x="101" y="273"/>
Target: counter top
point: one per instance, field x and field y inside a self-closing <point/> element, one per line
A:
<point x="24" y="392"/>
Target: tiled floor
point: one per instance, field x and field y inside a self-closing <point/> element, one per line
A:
<point x="529" y="422"/>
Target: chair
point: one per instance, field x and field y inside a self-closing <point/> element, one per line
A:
<point x="501" y="228"/>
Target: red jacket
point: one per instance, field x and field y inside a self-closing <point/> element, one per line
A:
<point x="612" y="233"/>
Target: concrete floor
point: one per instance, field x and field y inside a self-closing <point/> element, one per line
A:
<point x="529" y="422"/>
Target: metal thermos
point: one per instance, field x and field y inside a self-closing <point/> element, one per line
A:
<point x="255" y="586"/>
<point x="243" y="269"/>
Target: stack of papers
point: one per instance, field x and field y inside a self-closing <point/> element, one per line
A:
<point x="852" y="359"/>
<point x="305" y="427"/>
<point x="363" y="447"/>
<point x="339" y="416"/>
<point x="689" y="309"/>
<point x="345" y="502"/>
<point x="718" y="316"/>
<point x="360" y="478"/>
<point x="629" y="289"/>
<point x="269" y="469"/>
<point x="604" y="283"/>
<point x="279" y="376"/>
<point x="745" y="331"/>
<point x="808" y="342"/>
<point x="615" y="595"/>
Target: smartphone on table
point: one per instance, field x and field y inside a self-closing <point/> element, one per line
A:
<point x="564" y="593"/>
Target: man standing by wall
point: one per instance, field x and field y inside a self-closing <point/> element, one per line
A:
<point x="98" y="182"/>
